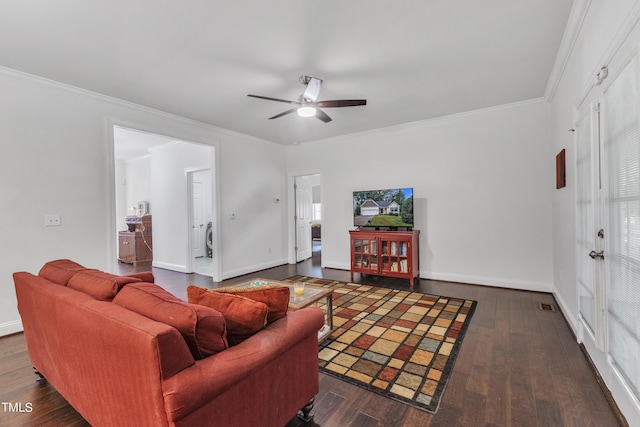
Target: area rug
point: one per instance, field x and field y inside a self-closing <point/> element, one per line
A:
<point x="399" y="344"/>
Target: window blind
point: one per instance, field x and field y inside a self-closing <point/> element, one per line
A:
<point x="621" y="155"/>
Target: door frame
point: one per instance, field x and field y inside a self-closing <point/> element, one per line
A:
<point x="189" y="173"/>
<point x="111" y="229"/>
<point x="291" y="212"/>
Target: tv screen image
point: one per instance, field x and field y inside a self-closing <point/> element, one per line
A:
<point x="391" y="208"/>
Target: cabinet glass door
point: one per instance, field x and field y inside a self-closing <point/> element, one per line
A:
<point x="394" y="256"/>
<point x="365" y="253"/>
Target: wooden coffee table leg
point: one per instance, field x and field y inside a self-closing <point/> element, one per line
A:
<point x="330" y="311"/>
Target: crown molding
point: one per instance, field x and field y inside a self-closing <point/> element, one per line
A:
<point x="423" y="123"/>
<point x="10" y="73"/>
<point x="628" y="26"/>
<point x="574" y="26"/>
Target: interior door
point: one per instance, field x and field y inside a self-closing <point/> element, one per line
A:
<point x="589" y="240"/>
<point x="197" y="223"/>
<point x="303" y="218"/>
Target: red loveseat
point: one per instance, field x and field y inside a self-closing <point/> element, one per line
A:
<point x="117" y="367"/>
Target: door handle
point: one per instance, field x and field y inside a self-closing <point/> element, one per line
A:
<point x="594" y="254"/>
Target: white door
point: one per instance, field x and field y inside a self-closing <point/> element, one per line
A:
<point x="608" y="228"/>
<point x="198" y="220"/>
<point x="589" y="242"/>
<point x="621" y="219"/>
<point x="303" y="218"/>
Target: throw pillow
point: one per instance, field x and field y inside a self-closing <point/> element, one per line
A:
<point x="98" y="284"/>
<point x="203" y="328"/>
<point x="244" y="316"/>
<point x="276" y="297"/>
<point x="60" y="271"/>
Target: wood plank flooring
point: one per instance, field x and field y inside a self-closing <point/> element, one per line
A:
<point x="518" y="366"/>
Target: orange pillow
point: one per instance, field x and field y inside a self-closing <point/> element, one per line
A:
<point x="60" y="271"/>
<point x="203" y="328"/>
<point x="276" y="297"/>
<point x="244" y="316"/>
<point x="98" y="284"/>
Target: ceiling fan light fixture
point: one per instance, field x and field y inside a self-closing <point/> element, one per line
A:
<point x="306" y="111"/>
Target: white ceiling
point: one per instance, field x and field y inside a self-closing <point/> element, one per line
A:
<point x="412" y="60"/>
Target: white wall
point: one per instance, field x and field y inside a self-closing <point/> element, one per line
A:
<point x="138" y="183"/>
<point x="248" y="191"/>
<point x="482" y="192"/>
<point x="169" y="163"/>
<point x="56" y="159"/>
<point x="601" y="25"/>
<point x="608" y="30"/>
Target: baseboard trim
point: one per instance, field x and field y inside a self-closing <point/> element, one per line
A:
<point x="495" y="282"/>
<point x="169" y="266"/>
<point x="523" y="285"/>
<point x="9" y="328"/>
<point x="252" y="269"/>
<point x="572" y="321"/>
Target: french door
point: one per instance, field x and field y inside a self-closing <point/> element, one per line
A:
<point x="608" y="224"/>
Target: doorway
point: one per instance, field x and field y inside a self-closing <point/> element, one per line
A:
<point x="164" y="172"/>
<point x="200" y="221"/>
<point x="308" y="218"/>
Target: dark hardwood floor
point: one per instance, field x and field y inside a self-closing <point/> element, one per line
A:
<point x="518" y="366"/>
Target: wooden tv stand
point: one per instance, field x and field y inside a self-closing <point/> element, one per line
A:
<point x="385" y="253"/>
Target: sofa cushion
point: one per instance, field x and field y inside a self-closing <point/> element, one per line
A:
<point x="60" y="271"/>
<point x="203" y="328"/>
<point x="98" y="284"/>
<point x="145" y="276"/>
<point x="276" y="297"/>
<point x="243" y="316"/>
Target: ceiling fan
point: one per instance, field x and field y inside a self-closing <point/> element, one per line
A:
<point x="307" y="106"/>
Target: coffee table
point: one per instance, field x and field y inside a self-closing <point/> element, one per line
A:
<point x="312" y="295"/>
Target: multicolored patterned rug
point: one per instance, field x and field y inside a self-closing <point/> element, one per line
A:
<point x="399" y="344"/>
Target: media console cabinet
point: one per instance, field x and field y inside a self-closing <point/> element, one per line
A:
<point x="385" y="253"/>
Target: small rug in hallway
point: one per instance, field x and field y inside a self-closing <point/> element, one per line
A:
<point x="399" y="344"/>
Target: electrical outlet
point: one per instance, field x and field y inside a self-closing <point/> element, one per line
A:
<point x="52" y="220"/>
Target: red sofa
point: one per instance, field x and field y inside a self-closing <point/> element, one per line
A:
<point x="117" y="367"/>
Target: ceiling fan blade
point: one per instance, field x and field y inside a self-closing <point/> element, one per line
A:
<point x="341" y="103"/>
<point x="275" y="99"/>
<point x="284" y="113"/>
<point x="321" y="115"/>
<point x="313" y="89"/>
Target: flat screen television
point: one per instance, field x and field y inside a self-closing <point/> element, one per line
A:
<point x="390" y="209"/>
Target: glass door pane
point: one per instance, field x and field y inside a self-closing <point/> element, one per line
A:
<point x="585" y="211"/>
<point x="621" y="153"/>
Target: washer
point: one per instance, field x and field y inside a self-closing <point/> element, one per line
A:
<point x="209" y="238"/>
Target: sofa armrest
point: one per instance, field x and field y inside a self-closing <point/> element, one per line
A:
<point x="208" y="378"/>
